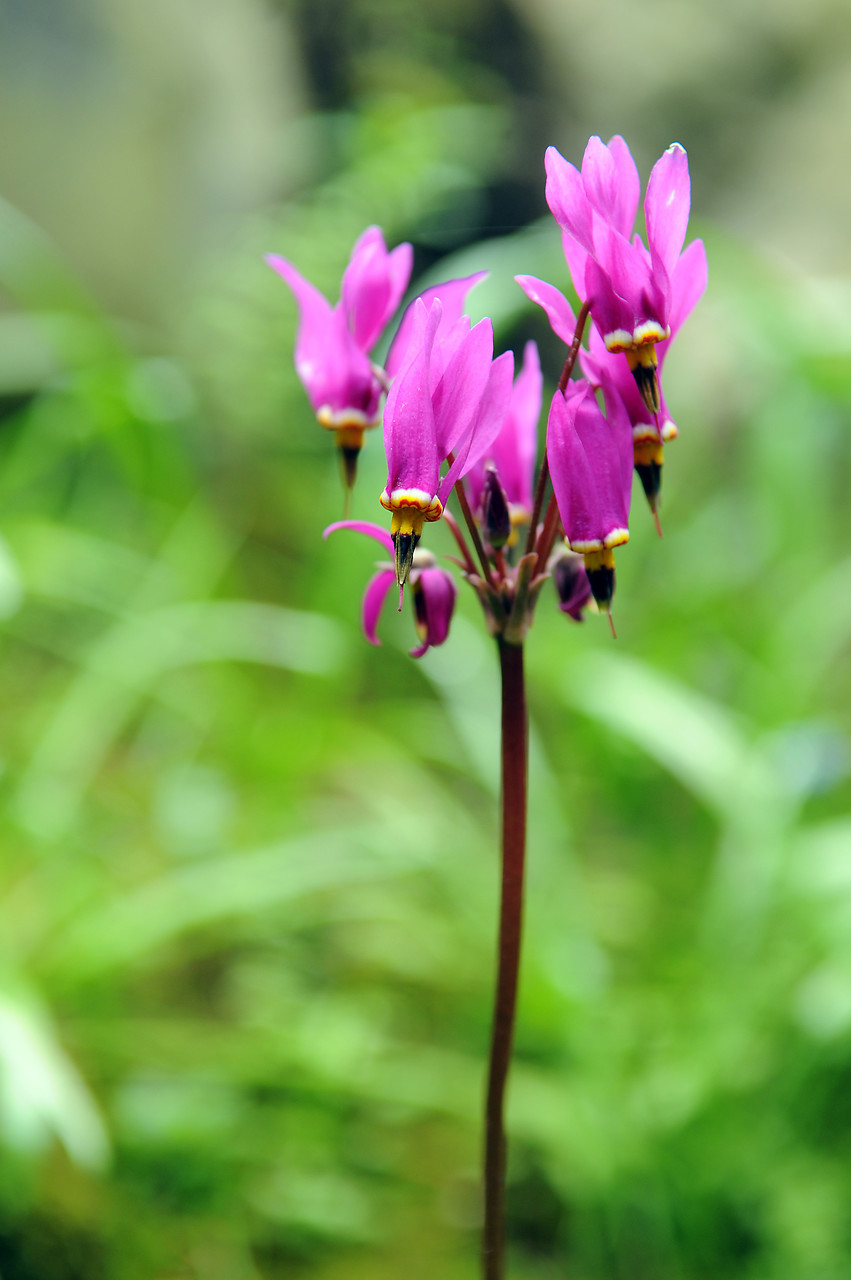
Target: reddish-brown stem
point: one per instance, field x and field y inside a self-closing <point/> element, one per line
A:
<point x="474" y="533"/>
<point x="548" y="535"/>
<point x="513" y="778"/>
<point x="544" y="473"/>
<point x="469" y="563"/>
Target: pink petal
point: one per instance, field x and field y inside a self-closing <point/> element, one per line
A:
<point x="615" y="484"/>
<point x="332" y="369"/>
<point x="515" y="450"/>
<point x="486" y="425"/>
<point x="400" y="266"/>
<point x="567" y="198"/>
<point x="373" y="599"/>
<point x="457" y="395"/>
<point x="688" y="284"/>
<point x="434" y="601"/>
<point x="556" y="306"/>
<point x="452" y="296"/>
<point x="576" y="258"/>
<point x="446" y="342"/>
<point x="572" y="475"/>
<point x="410" y="438"/>
<point x="611" y="182"/>
<point x="373" y="284"/>
<point x="591" y="465"/>
<point x="611" y="313"/>
<point x="366" y="527"/>
<point x="666" y="207"/>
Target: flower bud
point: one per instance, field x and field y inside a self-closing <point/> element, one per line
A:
<point x="571" y="583"/>
<point x="496" y="515"/>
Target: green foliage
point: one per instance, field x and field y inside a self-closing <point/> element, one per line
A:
<point x="249" y="869"/>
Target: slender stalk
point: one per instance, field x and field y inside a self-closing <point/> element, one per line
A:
<point x="515" y="752"/>
<point x="544" y="473"/>
<point x="452" y="525"/>
<point x="548" y="535"/>
<point x="475" y="536"/>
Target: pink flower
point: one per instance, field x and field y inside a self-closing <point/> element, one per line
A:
<point x="333" y="343"/>
<point x="514" y="451"/>
<point x="590" y="459"/>
<point x="629" y="286"/>
<point x="449" y="398"/>
<point x="432" y="588"/>
<point x="602" y="368"/>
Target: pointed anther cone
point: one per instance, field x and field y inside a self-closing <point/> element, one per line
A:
<point x="643" y="362"/>
<point x="349" y="440"/>
<point x="649" y="458"/>
<point x="648" y="385"/>
<point x="600" y="570"/>
<point x="404" y="546"/>
<point x="349" y="466"/>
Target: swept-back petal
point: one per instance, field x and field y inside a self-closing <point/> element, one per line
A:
<point x="434" y="601"/>
<point x="400" y="266"/>
<point x="616" y="488"/>
<point x="332" y="368"/>
<point x="611" y="313"/>
<point x="447" y="340"/>
<point x="567" y="198"/>
<point x="572" y="476"/>
<point x="515" y="450"/>
<point x="556" y="306"/>
<point x="611" y="182"/>
<point x="688" y="284"/>
<point x="457" y="395"/>
<point x="366" y="527"/>
<point x="607" y="442"/>
<point x="373" y="284"/>
<point x="452" y="295"/>
<point x="666" y="207"/>
<point x="576" y="258"/>
<point x="410" y="439"/>
<point x="485" y="426"/>
<point x="373" y="598"/>
<point x="591" y="466"/>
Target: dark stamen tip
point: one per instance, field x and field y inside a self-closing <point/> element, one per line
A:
<point x="349" y="462"/>
<point x="404" y="544"/>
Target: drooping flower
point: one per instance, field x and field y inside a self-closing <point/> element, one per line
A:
<point x="448" y="401"/>
<point x="432" y="588"/>
<point x="590" y="460"/>
<point x="513" y="453"/>
<point x="333" y="343"/>
<point x="628" y="285"/>
<point x="553" y="303"/>
<point x="650" y="431"/>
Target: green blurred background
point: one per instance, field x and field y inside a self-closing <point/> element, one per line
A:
<point x="248" y="862"/>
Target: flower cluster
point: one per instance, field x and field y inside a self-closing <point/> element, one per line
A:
<point x="456" y="419"/>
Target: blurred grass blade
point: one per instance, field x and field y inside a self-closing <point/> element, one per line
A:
<point x="42" y="1096"/>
